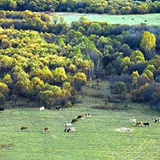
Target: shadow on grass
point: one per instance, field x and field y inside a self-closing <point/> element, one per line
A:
<point x="111" y="106"/>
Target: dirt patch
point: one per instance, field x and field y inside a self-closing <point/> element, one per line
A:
<point x="124" y="129"/>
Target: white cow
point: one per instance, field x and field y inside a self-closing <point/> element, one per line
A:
<point x="41" y="108"/>
<point x="88" y="115"/>
<point x="68" y="125"/>
<point x="132" y="121"/>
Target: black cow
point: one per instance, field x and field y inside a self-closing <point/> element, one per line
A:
<point x="2" y="109"/>
<point x="58" y="108"/>
<point x="146" y="124"/>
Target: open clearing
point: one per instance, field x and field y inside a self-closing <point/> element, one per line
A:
<point x="132" y="19"/>
<point x="95" y="138"/>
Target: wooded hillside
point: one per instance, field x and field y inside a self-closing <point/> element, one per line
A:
<point x="49" y="62"/>
<point x="83" y="6"/>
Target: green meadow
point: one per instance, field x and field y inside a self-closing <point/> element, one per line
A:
<point x="98" y="137"/>
<point x="131" y="19"/>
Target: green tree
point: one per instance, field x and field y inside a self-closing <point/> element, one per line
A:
<point x="135" y="76"/>
<point x="119" y="87"/>
<point x="137" y="57"/>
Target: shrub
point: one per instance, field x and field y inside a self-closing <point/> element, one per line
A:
<point x="118" y="88"/>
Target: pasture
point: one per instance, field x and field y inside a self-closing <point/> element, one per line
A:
<point x="131" y="19"/>
<point x="96" y="137"/>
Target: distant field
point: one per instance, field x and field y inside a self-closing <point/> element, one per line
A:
<point x="95" y="138"/>
<point x="149" y="19"/>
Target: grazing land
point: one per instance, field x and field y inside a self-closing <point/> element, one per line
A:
<point x="148" y="19"/>
<point x="98" y="137"/>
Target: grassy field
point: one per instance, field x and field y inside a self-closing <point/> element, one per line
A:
<point x="148" y="19"/>
<point x="96" y="137"/>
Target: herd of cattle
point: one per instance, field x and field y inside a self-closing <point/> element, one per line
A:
<point x="140" y="123"/>
<point x="69" y="128"/>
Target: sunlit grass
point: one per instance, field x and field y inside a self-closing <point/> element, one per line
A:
<point x="95" y="138"/>
<point x="148" y="19"/>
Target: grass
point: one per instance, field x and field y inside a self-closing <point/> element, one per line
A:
<point x="95" y="137"/>
<point x="148" y="19"/>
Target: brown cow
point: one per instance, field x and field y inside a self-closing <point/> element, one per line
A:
<point x="24" y="128"/>
<point x="46" y="129"/>
<point x="74" y="120"/>
<point x="139" y="123"/>
<point x="80" y="117"/>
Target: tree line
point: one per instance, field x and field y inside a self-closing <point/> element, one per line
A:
<point x="83" y="6"/>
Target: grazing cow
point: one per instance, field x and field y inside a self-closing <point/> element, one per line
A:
<point x="58" y="108"/>
<point x="74" y="120"/>
<point x="157" y="120"/>
<point x="24" y="128"/>
<point x="2" y="109"/>
<point x="80" y="117"/>
<point x="46" y="129"/>
<point x="88" y="115"/>
<point x="68" y="125"/>
<point x="139" y="123"/>
<point x="41" y="108"/>
<point x="132" y="121"/>
<point x="146" y="124"/>
<point x="71" y="129"/>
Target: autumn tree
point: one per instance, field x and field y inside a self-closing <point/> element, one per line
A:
<point x="148" y="44"/>
<point x="79" y="80"/>
<point x="59" y="75"/>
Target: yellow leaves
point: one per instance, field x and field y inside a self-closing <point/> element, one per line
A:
<point x="44" y="74"/>
<point x="134" y="76"/>
<point x="137" y="56"/>
<point x="37" y="81"/>
<point x="7" y="79"/>
<point x="126" y="62"/>
<point x="59" y="74"/>
<point x="148" y="75"/>
<point x="72" y="68"/>
<point x="148" y="41"/>
<point x="6" y="61"/>
<point x="80" y="76"/>
<point x="3" y="87"/>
